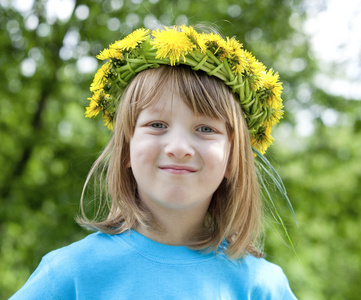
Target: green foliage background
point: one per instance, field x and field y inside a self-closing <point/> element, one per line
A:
<point x="47" y="146"/>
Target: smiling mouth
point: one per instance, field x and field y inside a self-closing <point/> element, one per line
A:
<point x="178" y="169"/>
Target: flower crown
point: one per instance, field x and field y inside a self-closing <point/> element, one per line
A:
<point x="258" y="90"/>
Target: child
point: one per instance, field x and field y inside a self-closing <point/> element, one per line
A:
<point x="180" y="182"/>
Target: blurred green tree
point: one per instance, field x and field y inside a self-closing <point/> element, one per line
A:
<point x="47" y="146"/>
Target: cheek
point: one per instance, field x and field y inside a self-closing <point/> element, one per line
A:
<point x="227" y="158"/>
<point x="142" y="151"/>
<point x="217" y="155"/>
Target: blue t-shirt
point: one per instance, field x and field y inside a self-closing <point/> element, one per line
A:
<point x="131" y="266"/>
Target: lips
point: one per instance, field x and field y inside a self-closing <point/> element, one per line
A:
<point x="178" y="169"/>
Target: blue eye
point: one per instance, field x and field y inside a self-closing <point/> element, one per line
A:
<point x="205" y="129"/>
<point x="157" y="125"/>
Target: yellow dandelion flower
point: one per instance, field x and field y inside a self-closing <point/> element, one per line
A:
<point x="94" y="106"/>
<point x="276" y="114"/>
<point x="233" y="43"/>
<point x="132" y="40"/>
<point x="275" y="96"/>
<point x="262" y="139"/>
<point x="100" y="78"/>
<point x="195" y="37"/>
<point x="271" y="83"/>
<point x="216" y="44"/>
<point x="237" y="58"/>
<point x="256" y="69"/>
<point x="270" y="79"/>
<point x="109" y="53"/>
<point x="93" y="109"/>
<point x="108" y="119"/>
<point x="171" y="43"/>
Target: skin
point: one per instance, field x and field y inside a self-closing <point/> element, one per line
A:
<point x="178" y="160"/>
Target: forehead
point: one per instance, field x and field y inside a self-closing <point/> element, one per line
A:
<point x="167" y="105"/>
<point x="167" y="102"/>
<point x="203" y="97"/>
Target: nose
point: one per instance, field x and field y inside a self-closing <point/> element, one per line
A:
<point x="179" y="144"/>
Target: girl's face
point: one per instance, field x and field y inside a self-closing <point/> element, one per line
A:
<point x="178" y="158"/>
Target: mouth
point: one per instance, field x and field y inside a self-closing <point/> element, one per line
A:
<point x="178" y="169"/>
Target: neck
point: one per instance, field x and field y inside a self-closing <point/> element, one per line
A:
<point x="176" y="228"/>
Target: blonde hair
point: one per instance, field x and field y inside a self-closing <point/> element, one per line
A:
<point x="234" y="214"/>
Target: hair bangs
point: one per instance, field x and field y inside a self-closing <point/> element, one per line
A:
<point x="203" y="94"/>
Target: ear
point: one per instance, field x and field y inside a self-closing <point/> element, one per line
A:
<point x="128" y="164"/>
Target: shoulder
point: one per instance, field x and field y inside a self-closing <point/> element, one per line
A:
<point x="96" y="249"/>
<point x="267" y="280"/>
<point x="260" y="268"/>
<point x="91" y="244"/>
<point x="61" y="271"/>
<point x="255" y="278"/>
